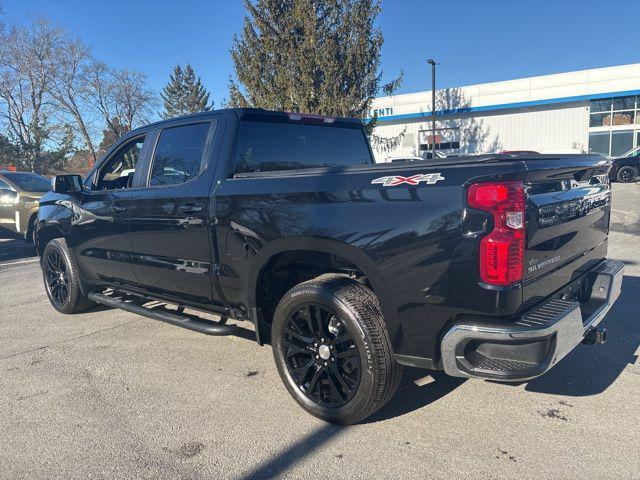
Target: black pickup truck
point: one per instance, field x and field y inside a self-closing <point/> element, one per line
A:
<point x="482" y="266"/>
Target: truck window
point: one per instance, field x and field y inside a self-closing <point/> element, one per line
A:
<point x="118" y="171"/>
<point x="179" y="154"/>
<point x="268" y="146"/>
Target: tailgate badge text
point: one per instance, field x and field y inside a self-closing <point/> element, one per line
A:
<point x="535" y="264"/>
<point x="392" y="181"/>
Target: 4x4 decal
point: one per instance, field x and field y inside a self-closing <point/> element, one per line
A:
<point x="392" y="181"/>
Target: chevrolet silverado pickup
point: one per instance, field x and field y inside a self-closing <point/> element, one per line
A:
<point x="489" y="266"/>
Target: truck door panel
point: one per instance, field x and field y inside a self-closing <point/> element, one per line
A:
<point x="169" y="219"/>
<point x="100" y="232"/>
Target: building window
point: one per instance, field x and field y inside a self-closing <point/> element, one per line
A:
<point x="621" y="142"/>
<point x="624" y="103"/>
<point x="623" y="118"/>
<point x="607" y="121"/>
<point x="600" y="105"/>
<point x="599" y="142"/>
<point x="599" y="119"/>
<point x="441" y="146"/>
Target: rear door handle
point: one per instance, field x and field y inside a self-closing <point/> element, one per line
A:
<point x="118" y="209"/>
<point x="191" y="208"/>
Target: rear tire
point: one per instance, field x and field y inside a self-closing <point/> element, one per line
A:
<point x="61" y="279"/>
<point x="627" y="174"/>
<point x="333" y="351"/>
<point x="28" y="235"/>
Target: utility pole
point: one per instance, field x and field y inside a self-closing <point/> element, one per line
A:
<point x="433" y="64"/>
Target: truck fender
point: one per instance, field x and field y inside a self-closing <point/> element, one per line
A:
<point x="346" y="251"/>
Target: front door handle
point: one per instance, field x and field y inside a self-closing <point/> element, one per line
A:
<point x="191" y="208"/>
<point x="117" y="209"/>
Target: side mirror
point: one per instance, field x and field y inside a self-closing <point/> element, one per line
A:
<point x="66" y="183"/>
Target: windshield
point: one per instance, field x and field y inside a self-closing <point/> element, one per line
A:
<point x="29" y="182"/>
<point x="632" y="153"/>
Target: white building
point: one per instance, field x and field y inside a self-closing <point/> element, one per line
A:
<point x="594" y="110"/>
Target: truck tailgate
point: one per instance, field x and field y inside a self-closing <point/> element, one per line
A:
<point x="568" y="211"/>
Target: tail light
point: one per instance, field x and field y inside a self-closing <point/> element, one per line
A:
<point x="502" y="250"/>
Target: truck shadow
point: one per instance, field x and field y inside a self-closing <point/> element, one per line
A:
<point x="590" y="370"/>
<point x="411" y="396"/>
<point x="277" y="465"/>
<point x="13" y="247"/>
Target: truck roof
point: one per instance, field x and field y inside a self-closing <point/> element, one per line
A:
<point x="242" y="112"/>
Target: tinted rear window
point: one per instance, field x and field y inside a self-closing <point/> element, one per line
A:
<point x="29" y="182"/>
<point x="268" y="146"/>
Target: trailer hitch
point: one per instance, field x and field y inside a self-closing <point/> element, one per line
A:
<point x="595" y="336"/>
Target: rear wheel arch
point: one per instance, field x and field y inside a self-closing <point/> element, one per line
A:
<point x="352" y="257"/>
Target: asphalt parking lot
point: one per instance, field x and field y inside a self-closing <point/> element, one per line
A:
<point x="108" y="394"/>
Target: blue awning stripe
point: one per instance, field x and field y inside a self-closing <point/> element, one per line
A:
<point x="505" y="106"/>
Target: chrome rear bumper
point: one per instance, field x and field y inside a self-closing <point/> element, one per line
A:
<point x="538" y="340"/>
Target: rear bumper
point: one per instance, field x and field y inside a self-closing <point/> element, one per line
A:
<point x="538" y="340"/>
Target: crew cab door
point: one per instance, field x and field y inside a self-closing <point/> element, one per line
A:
<point x="100" y="231"/>
<point x="169" y="218"/>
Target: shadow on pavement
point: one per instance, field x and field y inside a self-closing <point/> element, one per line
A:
<point x="631" y="228"/>
<point x="295" y="453"/>
<point x="13" y="247"/>
<point x="590" y="370"/>
<point x="412" y="397"/>
<point x="409" y="397"/>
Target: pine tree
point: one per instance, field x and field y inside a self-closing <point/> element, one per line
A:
<point x="184" y="94"/>
<point x="313" y="56"/>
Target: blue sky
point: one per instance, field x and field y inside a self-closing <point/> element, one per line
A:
<point x="474" y="41"/>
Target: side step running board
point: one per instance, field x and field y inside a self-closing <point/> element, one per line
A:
<point x="179" y="319"/>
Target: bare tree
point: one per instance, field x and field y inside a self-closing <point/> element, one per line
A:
<point x="99" y="93"/>
<point x="27" y="70"/>
<point x="133" y="102"/>
<point x="120" y="96"/>
<point x="69" y="89"/>
<point x="70" y="86"/>
<point x="55" y="98"/>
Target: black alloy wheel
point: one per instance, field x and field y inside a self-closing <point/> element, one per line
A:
<point x="627" y="174"/>
<point x="61" y="278"/>
<point x="332" y="349"/>
<point x="322" y="355"/>
<point x="56" y="277"/>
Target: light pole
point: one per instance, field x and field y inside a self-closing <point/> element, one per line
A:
<point x="433" y="64"/>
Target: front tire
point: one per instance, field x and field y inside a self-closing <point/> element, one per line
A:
<point x="61" y="279"/>
<point x="333" y="351"/>
<point x="627" y="174"/>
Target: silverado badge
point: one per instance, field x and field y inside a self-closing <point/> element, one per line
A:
<point x="392" y="181"/>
